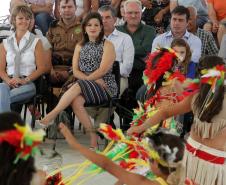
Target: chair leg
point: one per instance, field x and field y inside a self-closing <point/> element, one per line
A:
<point x="33" y="113"/>
<point x="43" y="107"/>
<point x="25" y="112"/>
<point x="110" y="111"/>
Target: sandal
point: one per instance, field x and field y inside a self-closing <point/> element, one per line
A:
<point x="40" y="125"/>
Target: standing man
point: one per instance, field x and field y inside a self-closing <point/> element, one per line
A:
<point x="178" y="24"/>
<point x="124" y="55"/>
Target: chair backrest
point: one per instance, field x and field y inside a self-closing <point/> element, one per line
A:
<point x="4" y="31"/>
<point x="116" y="72"/>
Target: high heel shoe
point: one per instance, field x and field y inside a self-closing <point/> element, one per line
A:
<point x="40" y="125"/>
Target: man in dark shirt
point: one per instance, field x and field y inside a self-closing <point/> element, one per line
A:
<point x="142" y="36"/>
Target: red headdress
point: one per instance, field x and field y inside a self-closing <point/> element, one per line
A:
<point x="165" y="63"/>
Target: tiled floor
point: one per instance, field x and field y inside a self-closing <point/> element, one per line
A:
<point x="69" y="156"/>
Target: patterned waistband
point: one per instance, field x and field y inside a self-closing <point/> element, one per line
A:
<point x="204" y="155"/>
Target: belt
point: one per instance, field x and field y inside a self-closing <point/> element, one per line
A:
<point x="204" y="155"/>
<point x="11" y="76"/>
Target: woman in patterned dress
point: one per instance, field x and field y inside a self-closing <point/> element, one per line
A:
<point x="92" y="66"/>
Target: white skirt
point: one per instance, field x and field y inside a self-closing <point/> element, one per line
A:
<point x="203" y="172"/>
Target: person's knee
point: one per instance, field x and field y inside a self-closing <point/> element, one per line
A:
<point x="4" y="89"/>
<point x="222" y="26"/>
<point x="78" y="102"/>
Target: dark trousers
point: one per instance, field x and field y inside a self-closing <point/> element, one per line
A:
<point x="128" y="99"/>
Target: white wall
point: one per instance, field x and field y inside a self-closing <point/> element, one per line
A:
<point x="4" y="7"/>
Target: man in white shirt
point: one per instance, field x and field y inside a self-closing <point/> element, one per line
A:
<point x="122" y="42"/>
<point x="124" y="49"/>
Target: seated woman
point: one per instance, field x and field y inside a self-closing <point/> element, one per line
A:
<point x="92" y="64"/>
<point x="205" y="154"/>
<point x="18" y="166"/>
<point x="21" y="60"/>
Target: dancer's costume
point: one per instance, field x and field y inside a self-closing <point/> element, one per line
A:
<point x="203" y="164"/>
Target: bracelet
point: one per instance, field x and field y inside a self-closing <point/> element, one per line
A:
<point x="27" y="79"/>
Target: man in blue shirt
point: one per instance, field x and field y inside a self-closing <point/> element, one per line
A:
<point x="178" y="24"/>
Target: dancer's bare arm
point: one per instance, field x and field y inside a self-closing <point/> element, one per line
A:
<point x="104" y="162"/>
<point x="164" y="113"/>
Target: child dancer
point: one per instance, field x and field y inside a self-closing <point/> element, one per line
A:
<point x="18" y="144"/>
<point x="205" y="154"/>
<point x="163" y="84"/>
<point x="169" y="152"/>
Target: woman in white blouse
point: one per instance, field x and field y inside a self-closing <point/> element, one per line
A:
<point x="21" y="60"/>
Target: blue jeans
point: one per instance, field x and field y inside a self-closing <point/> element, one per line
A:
<point x="42" y="20"/>
<point x="8" y="96"/>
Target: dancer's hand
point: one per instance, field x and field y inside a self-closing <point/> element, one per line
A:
<point x="190" y="182"/>
<point x="67" y="134"/>
<point x="133" y="130"/>
<point x="39" y="178"/>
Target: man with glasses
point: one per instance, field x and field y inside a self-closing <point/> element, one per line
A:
<point x="142" y="36"/>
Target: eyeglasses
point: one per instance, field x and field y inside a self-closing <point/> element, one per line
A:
<point x="133" y="13"/>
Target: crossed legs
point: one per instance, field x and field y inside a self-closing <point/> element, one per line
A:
<point x="73" y="97"/>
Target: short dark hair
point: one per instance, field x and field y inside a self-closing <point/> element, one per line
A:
<point x="108" y="8"/>
<point x="66" y="1"/>
<point x="181" y="10"/>
<point x="92" y="15"/>
<point x="162" y="137"/>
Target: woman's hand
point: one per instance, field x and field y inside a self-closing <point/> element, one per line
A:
<point x="16" y="82"/>
<point x="101" y="83"/>
<point x="67" y="134"/>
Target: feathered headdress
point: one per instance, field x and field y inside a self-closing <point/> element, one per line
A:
<point x="215" y="78"/>
<point x="24" y="140"/>
<point x="165" y="63"/>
